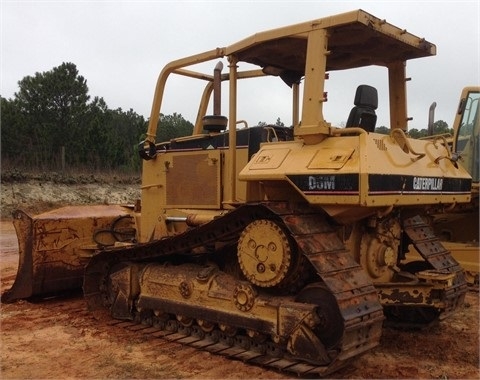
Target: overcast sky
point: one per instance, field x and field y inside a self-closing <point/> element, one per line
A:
<point x="120" y="47"/>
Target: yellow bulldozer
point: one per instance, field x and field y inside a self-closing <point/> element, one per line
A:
<point x="285" y="247"/>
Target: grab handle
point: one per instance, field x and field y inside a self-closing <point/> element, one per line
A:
<point x="401" y="138"/>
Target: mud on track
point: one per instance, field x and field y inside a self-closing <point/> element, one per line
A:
<point x="58" y="338"/>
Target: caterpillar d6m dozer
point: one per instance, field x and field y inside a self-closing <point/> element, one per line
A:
<point x="281" y="246"/>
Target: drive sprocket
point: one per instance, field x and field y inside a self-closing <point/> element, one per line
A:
<point x="265" y="253"/>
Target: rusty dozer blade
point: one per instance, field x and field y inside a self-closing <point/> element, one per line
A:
<point x="55" y="246"/>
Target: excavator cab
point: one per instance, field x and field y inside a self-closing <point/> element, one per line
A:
<point x="458" y="227"/>
<point x="467" y="134"/>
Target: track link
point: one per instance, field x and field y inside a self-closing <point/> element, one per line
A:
<point x="240" y="347"/>
<point x="433" y="251"/>
<point x="357" y="300"/>
<point x="354" y="292"/>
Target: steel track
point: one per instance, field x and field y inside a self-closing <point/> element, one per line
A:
<point x="354" y="293"/>
<point x="441" y="259"/>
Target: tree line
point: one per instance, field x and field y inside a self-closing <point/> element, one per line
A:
<point x="52" y="123"/>
<point x="440" y="127"/>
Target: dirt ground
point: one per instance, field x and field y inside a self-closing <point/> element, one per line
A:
<point x="58" y="338"/>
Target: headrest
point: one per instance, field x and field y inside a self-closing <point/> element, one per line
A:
<point x="366" y="96"/>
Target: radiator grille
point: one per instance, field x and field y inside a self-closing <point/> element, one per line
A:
<point x="193" y="181"/>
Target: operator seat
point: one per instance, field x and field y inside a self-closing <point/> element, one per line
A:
<point x="363" y="114"/>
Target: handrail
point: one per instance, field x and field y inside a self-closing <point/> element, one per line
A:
<point x="452" y="157"/>
<point x="403" y="142"/>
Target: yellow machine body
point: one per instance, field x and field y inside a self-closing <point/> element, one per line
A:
<point x="288" y="245"/>
<point x="458" y="226"/>
<point x="321" y="47"/>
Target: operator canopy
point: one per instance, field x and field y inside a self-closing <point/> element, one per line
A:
<point x="355" y="39"/>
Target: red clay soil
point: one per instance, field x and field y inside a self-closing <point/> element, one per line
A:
<point x="58" y="338"/>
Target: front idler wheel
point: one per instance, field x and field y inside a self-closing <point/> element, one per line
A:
<point x="329" y="321"/>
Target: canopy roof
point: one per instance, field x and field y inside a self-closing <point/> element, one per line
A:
<point x="355" y="39"/>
